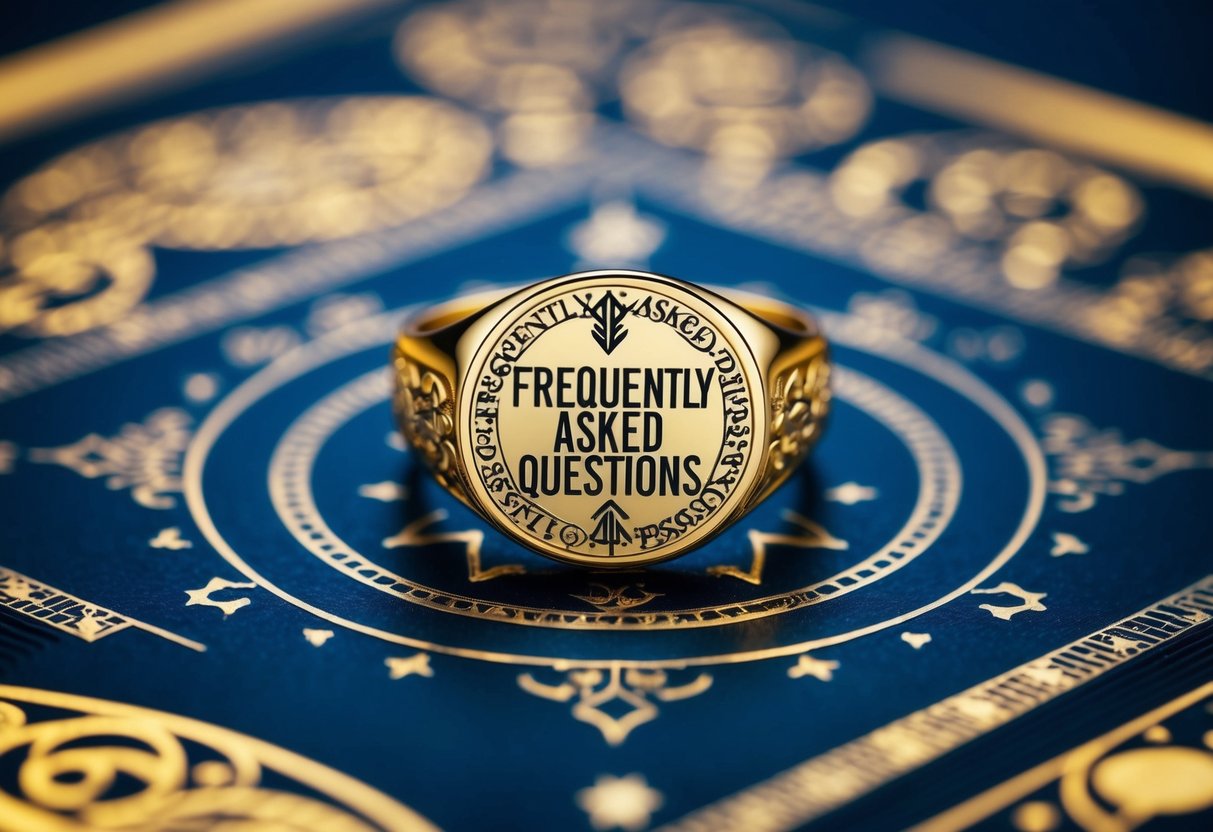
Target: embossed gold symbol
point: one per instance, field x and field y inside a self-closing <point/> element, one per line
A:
<point x="611" y="418"/>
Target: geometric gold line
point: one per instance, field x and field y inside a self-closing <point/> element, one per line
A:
<point x="1155" y="142"/>
<point x="72" y="615"/>
<point x="150" y="49"/>
<point x="832" y="779"/>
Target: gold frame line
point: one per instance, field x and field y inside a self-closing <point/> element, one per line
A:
<point x="1154" y="142"/>
<point x="837" y="777"/>
<point x="149" y="50"/>
<point x="53" y="615"/>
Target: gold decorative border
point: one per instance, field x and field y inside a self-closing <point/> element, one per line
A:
<point x="839" y="776"/>
<point x="68" y="614"/>
<point x="1003" y="795"/>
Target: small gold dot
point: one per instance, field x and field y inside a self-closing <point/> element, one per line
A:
<point x="1208" y="739"/>
<point x="213" y="773"/>
<point x="1036" y="816"/>
<point x="1157" y="734"/>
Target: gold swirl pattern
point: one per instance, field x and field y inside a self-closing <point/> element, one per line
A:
<point x="800" y="403"/>
<point x="736" y="87"/>
<point x="426" y="414"/>
<point x="76" y="234"/>
<point x="85" y="763"/>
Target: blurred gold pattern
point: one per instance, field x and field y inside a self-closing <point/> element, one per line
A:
<point x="615" y="700"/>
<point x="1088" y="463"/>
<point x="1046" y="109"/>
<point x="1043" y="211"/>
<point x="151" y="49"/>
<point x="1153" y="288"/>
<point x="540" y="64"/>
<point x="76" y="233"/>
<point x="144" y="457"/>
<point x="736" y="87"/>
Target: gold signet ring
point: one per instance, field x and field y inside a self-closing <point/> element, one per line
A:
<point x="611" y="418"/>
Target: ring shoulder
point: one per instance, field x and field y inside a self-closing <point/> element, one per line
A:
<point x="799" y="384"/>
<point x="424" y="404"/>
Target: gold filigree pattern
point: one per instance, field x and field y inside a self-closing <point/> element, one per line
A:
<point x="146" y="458"/>
<point x="617" y="699"/>
<point x="799" y="401"/>
<point x="66" y="613"/>
<point x="1089" y="463"/>
<point x="85" y="763"/>
<point x="617" y="598"/>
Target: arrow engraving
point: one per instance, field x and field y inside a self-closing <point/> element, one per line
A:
<point x="608" y="315"/>
<point x="610" y="531"/>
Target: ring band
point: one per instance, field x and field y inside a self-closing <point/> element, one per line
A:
<point x="611" y="418"/>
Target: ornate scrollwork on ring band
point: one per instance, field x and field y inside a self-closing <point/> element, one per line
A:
<point x="800" y="401"/>
<point x="425" y="410"/>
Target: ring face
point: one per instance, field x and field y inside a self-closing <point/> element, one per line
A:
<point x="611" y="418"/>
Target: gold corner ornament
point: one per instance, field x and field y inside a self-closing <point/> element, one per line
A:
<point x="611" y="418"/>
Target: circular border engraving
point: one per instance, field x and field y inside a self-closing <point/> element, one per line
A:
<point x="292" y="467"/>
<point x="845" y="331"/>
<point x="610" y="311"/>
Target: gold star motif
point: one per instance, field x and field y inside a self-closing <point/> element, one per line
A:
<point x="1030" y="601"/>
<point x="385" y="492"/>
<point x="620" y="802"/>
<point x="202" y="597"/>
<point x="317" y="637"/>
<point x="1067" y="544"/>
<point x="400" y="666"/>
<point x="850" y="493"/>
<point x="806" y="665"/>
<point x="810" y="535"/>
<point x="91" y="624"/>
<point x="916" y="640"/>
<point x="170" y="539"/>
